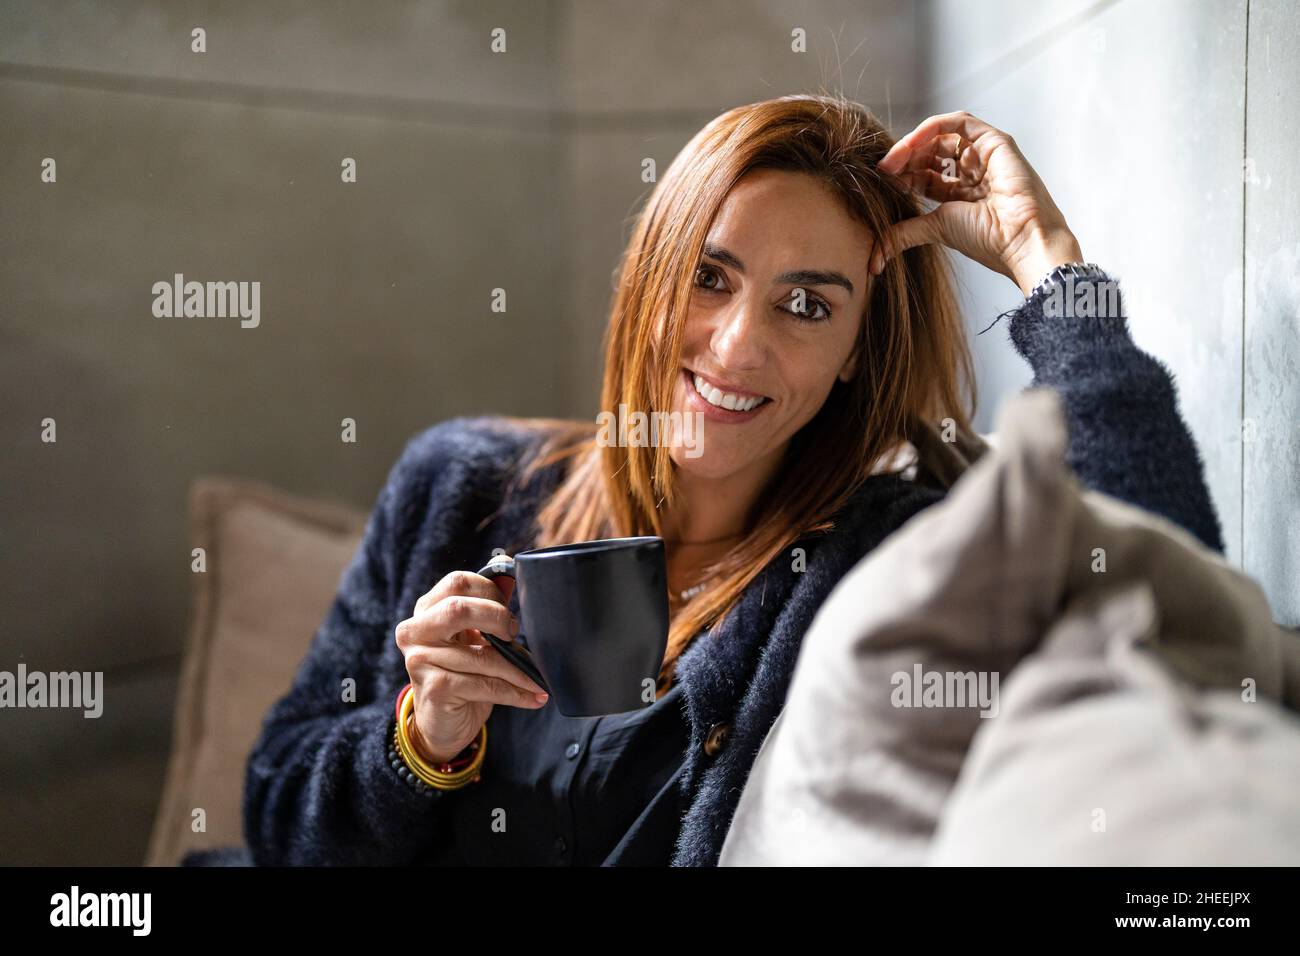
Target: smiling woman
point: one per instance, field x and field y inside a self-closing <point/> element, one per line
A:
<point x="783" y="284"/>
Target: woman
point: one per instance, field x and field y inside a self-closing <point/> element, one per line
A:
<point x="783" y="282"/>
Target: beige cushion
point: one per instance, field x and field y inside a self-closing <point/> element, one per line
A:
<point x="273" y="566"/>
<point x="974" y="586"/>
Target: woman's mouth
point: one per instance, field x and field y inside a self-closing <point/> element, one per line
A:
<point x="720" y="405"/>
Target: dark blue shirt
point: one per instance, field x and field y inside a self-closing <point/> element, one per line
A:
<point x="561" y="791"/>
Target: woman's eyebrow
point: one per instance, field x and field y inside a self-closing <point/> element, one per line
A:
<point x="799" y="276"/>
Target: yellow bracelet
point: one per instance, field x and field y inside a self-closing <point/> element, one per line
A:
<point x="427" y="772"/>
<point x="431" y="775"/>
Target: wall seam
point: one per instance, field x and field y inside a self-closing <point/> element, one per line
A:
<point x="544" y="120"/>
<point x="1245" y="195"/>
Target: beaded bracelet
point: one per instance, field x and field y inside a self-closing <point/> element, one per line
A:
<point x="403" y="771"/>
<point x="1079" y="270"/>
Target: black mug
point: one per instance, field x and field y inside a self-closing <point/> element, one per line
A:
<point x="595" y="621"/>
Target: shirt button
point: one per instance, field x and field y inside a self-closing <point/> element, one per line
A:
<point x="716" y="739"/>
<point x="561" y="845"/>
<point x="571" y="751"/>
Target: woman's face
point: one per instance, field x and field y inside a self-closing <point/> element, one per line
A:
<point x="777" y="300"/>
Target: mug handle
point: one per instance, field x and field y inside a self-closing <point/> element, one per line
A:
<point x="504" y="565"/>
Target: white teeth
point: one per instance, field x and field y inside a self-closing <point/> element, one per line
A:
<point x="715" y="396"/>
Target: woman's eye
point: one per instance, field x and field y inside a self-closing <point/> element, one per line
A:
<point x="708" y="271"/>
<point x="804" y="308"/>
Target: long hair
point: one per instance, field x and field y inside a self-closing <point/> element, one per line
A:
<point x="914" y="362"/>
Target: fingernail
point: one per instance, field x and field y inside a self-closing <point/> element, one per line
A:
<point x="514" y="625"/>
<point x="541" y="698"/>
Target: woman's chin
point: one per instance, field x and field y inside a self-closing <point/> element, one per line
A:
<point x="710" y="466"/>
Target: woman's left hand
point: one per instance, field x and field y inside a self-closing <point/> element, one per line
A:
<point x="992" y="205"/>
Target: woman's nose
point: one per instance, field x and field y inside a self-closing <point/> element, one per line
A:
<point x="737" y="341"/>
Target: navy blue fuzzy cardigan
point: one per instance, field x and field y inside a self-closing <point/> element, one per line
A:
<point x="318" y="787"/>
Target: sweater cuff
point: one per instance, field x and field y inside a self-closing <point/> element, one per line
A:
<point x="391" y="772"/>
<point x="1068" y="314"/>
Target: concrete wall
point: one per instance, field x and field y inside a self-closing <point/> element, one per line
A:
<point x="374" y="305"/>
<point x="1165" y="130"/>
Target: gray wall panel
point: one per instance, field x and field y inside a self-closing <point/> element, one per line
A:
<point x="1139" y="143"/>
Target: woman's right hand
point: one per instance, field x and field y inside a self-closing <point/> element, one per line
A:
<point x="456" y="675"/>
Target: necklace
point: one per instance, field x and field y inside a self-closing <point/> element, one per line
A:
<point x="692" y="591"/>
